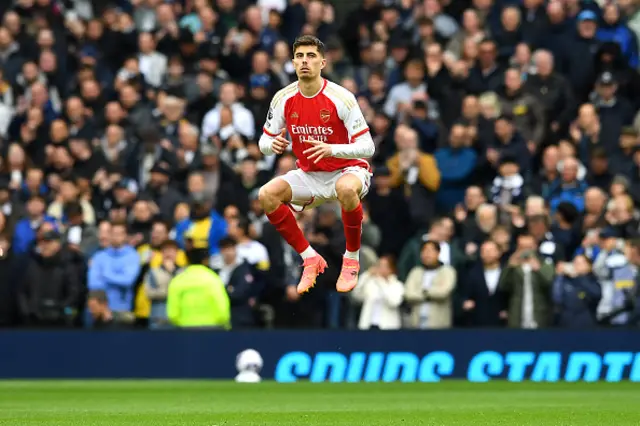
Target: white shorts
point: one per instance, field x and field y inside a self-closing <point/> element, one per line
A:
<point x="310" y="189"/>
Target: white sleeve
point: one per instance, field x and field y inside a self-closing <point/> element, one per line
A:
<point x="275" y="121"/>
<point x="361" y="143"/>
<point x="362" y="147"/>
<point x="391" y="105"/>
<point x="210" y="124"/>
<point x="245" y="122"/>
<point x="273" y="125"/>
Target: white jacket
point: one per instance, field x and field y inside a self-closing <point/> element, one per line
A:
<point x="381" y="297"/>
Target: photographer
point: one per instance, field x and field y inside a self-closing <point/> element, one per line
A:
<point x="576" y="294"/>
<point x="527" y="283"/>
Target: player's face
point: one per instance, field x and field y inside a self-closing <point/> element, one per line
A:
<point x="308" y="62"/>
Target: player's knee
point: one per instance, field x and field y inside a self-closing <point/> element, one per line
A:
<point x="271" y="196"/>
<point x="347" y="192"/>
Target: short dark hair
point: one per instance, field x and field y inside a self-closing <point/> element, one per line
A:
<point x="73" y="209"/>
<point x="435" y="244"/>
<point x="227" y="242"/>
<point x="244" y="224"/>
<point x="309" y="40"/>
<point x="163" y="223"/>
<point x="492" y="241"/>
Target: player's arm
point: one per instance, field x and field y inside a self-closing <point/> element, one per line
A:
<point x="272" y="140"/>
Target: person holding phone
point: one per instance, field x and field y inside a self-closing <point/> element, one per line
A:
<point x="527" y="282"/>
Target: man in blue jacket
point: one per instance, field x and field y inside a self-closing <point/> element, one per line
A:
<point x="115" y="270"/>
<point x="457" y="164"/>
<point x="25" y="232"/>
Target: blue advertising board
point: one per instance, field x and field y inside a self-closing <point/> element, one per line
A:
<point x="336" y="356"/>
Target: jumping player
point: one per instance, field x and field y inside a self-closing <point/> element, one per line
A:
<point x="330" y="138"/>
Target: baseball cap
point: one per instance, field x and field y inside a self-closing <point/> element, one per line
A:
<point x="51" y="235"/>
<point x="587" y="15"/>
<point x="609" y="232"/>
<point x="128" y="184"/>
<point x="606" y="78"/>
<point x="508" y="159"/>
<point x="162" y="169"/>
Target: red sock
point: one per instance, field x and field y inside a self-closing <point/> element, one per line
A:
<point x="352" y="222"/>
<point x="286" y="224"/>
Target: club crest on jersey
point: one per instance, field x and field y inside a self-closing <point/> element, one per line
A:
<point x="325" y="115"/>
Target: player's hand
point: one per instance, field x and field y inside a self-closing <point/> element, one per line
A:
<point x="279" y="144"/>
<point x="318" y="151"/>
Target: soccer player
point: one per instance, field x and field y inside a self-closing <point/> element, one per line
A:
<point x="330" y="138"/>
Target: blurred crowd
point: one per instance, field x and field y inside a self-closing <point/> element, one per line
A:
<point x="506" y="175"/>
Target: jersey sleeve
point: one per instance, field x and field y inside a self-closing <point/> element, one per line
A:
<point x="275" y="117"/>
<point x="353" y="119"/>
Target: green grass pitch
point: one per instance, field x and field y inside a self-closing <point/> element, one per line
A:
<point x="202" y="403"/>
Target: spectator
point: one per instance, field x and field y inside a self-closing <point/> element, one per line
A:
<point x="115" y="269"/>
<point x="49" y="294"/>
<point x="528" y="112"/>
<point x="609" y="259"/>
<point x="487" y="74"/>
<point x="248" y="249"/>
<point x="615" y="29"/>
<point x="599" y="174"/>
<point x="79" y="236"/>
<point x="228" y="117"/>
<point x="102" y="315"/>
<point x="381" y="294"/>
<point x="25" y="231"/>
<point x="402" y="94"/>
<point x="197" y="296"/>
<point x="580" y="54"/>
<point x="151" y="257"/>
<point x="508" y="142"/>
<point x="68" y="193"/>
<point x="388" y="209"/>
<point x="239" y="278"/>
<point x="484" y="302"/>
<point x="441" y="231"/>
<point x="527" y="282"/>
<point x="508" y="190"/>
<point x="457" y="164"/>
<point x="428" y="290"/>
<point x="417" y="172"/>
<point x="568" y="187"/>
<point x="156" y="283"/>
<point x="576" y="294"/>
<point x="614" y="111"/>
<point x="553" y="91"/>
<point x="9" y="284"/>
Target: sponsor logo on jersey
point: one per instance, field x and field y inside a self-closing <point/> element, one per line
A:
<point x="312" y="133"/>
<point x="270" y="114"/>
<point x="294" y="115"/>
<point x="325" y="115"/>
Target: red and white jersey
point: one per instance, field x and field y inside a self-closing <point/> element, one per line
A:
<point x="332" y="116"/>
